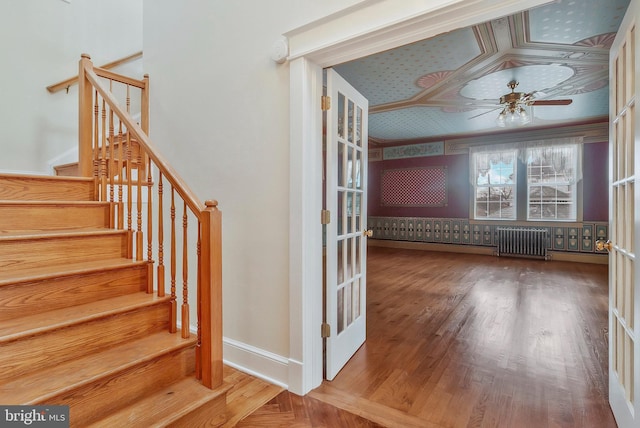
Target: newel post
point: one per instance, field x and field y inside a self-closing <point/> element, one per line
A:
<point x="85" y="112"/>
<point x="211" y="295"/>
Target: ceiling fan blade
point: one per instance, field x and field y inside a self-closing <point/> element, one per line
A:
<point x="486" y="112"/>
<point x="550" y="102"/>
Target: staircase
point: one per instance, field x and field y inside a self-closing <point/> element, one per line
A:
<point x="77" y="326"/>
<point x="91" y="314"/>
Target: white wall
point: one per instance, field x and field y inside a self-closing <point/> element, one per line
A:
<point x="41" y="42"/>
<point x="220" y="113"/>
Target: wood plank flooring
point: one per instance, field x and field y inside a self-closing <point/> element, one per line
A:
<point x="468" y="341"/>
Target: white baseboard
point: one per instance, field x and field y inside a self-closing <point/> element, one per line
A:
<point x="257" y="362"/>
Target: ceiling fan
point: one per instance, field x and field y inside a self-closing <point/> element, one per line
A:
<point x="513" y="106"/>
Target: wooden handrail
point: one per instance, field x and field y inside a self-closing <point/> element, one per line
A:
<point x="172" y="176"/>
<point x="103" y="124"/>
<point x="65" y="84"/>
<point x="103" y="72"/>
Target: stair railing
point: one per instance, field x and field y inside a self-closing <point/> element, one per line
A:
<point x="117" y="152"/>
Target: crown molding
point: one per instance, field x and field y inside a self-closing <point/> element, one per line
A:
<point x="372" y="26"/>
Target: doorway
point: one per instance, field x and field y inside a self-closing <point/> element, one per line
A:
<point x="366" y="28"/>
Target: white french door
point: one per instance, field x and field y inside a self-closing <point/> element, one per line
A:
<point x="346" y="233"/>
<point x="624" y="292"/>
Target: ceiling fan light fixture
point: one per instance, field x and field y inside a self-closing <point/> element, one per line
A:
<point x="524" y="116"/>
<point x="501" y="120"/>
<point x="513" y="115"/>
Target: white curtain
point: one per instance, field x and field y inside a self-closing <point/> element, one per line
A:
<point x="561" y="152"/>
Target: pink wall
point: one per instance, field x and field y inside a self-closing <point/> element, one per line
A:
<point x="595" y="185"/>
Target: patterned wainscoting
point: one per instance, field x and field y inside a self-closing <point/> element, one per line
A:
<point x="461" y="231"/>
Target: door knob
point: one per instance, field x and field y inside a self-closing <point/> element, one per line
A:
<point x="601" y="244"/>
<point x="368" y="233"/>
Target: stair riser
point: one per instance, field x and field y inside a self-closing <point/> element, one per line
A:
<point x="106" y="395"/>
<point x="211" y="414"/>
<point x="28" y="254"/>
<point x="50" y="217"/>
<point x="63" y="292"/>
<point x="53" y="347"/>
<point x="26" y="188"/>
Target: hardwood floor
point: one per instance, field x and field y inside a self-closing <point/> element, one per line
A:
<point x="290" y="410"/>
<point x="467" y="340"/>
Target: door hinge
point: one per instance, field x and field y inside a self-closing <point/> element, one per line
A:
<point x="325" y="330"/>
<point x="325" y="217"/>
<point x="325" y="102"/>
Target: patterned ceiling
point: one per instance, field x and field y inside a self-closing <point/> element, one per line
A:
<point x="450" y="85"/>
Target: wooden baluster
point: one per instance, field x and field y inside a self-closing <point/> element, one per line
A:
<point x="185" y="275"/>
<point x="173" y="321"/>
<point x="120" y="177"/>
<point x="103" y="153"/>
<point x="144" y="111"/>
<point x="111" y="153"/>
<point x="129" y="197"/>
<point x="149" y="233"/>
<point x="139" y="236"/>
<point x="111" y="169"/>
<point x="128" y="100"/>
<point x="96" y="146"/>
<point x="160" y="239"/>
<point x="199" y="303"/>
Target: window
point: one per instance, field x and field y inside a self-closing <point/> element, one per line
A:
<point x="532" y="181"/>
<point x="551" y="183"/>
<point x="495" y="184"/>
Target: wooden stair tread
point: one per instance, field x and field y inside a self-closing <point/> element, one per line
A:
<point x="57" y="203"/>
<point x="15" y="276"/>
<point x="52" y="234"/>
<point x="47" y="321"/>
<point x="165" y="406"/>
<point x="40" y="386"/>
<point x="45" y="177"/>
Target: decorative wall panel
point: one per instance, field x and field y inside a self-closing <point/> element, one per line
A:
<point x="458" y="231"/>
<point x="456" y="236"/>
<point x="587" y="238"/>
<point x="419" y="229"/>
<point x="437" y="230"/>
<point x="572" y="239"/>
<point x="414" y="187"/>
<point x="559" y="241"/>
<point x="601" y="233"/>
<point x="428" y="230"/>
<point x="466" y="232"/>
<point x="414" y="151"/>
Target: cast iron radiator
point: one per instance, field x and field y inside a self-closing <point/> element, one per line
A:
<point x="522" y="242"/>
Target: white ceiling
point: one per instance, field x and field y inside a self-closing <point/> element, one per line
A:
<point x="450" y="85"/>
